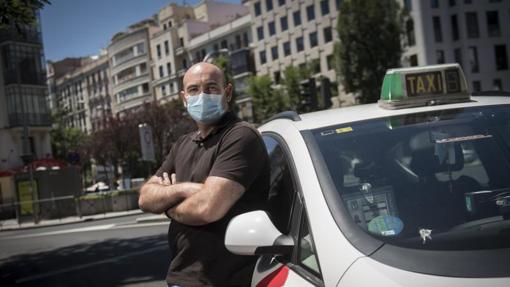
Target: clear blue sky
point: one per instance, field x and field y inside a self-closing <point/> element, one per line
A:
<point x="74" y="28"/>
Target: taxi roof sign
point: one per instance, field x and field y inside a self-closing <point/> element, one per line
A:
<point x="423" y="86"/>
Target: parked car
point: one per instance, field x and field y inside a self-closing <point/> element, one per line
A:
<point x="412" y="191"/>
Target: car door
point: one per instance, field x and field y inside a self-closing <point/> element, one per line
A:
<point x="288" y="213"/>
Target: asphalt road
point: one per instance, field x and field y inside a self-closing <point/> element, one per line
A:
<point x="110" y="252"/>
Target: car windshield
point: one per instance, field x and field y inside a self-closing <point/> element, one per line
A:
<point x="435" y="180"/>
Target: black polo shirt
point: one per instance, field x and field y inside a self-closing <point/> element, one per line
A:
<point x="234" y="150"/>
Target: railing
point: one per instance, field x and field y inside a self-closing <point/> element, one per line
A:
<point x="59" y="208"/>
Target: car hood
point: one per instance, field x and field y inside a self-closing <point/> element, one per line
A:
<point x="366" y="272"/>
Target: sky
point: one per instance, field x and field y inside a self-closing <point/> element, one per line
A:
<point x="77" y="28"/>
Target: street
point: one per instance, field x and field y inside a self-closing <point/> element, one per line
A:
<point x="110" y="252"/>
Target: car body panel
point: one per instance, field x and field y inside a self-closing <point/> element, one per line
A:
<point x="366" y="271"/>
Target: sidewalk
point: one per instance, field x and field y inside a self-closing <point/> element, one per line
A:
<point x="12" y="224"/>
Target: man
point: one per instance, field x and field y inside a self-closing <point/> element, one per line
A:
<point x="208" y="177"/>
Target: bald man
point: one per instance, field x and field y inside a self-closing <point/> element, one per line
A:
<point x="209" y="176"/>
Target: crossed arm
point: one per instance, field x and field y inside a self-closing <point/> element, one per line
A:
<point x="190" y="203"/>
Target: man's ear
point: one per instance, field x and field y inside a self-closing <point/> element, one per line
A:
<point x="228" y="92"/>
<point x="183" y="98"/>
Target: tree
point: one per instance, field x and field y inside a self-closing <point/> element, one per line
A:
<point x="224" y="64"/>
<point x="19" y="13"/>
<point x="291" y="85"/>
<point x="370" y="43"/>
<point x="65" y="140"/>
<point x="266" y="100"/>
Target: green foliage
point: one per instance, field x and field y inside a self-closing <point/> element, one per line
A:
<point x="266" y="100"/>
<point x="223" y="63"/>
<point x="370" y="43"/>
<point x="292" y="78"/>
<point x="64" y="139"/>
<point x="19" y="13"/>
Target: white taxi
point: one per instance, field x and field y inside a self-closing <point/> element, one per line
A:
<point x="412" y="191"/>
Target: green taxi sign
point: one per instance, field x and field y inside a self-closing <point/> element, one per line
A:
<point x="422" y="86"/>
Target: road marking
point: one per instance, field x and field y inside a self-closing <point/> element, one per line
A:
<point x="83" y="266"/>
<point x="85" y="229"/>
<point x="74" y="230"/>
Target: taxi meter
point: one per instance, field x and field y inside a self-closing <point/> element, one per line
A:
<point x="422" y="86"/>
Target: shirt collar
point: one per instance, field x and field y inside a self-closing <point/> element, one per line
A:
<point x="225" y="121"/>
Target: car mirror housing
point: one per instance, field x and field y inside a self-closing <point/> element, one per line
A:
<point x="253" y="233"/>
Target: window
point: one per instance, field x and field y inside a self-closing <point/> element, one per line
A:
<point x="411" y="41"/>
<point x="330" y="61"/>
<point x="408" y="5"/>
<point x="493" y="24"/>
<point x="224" y="44"/>
<point x="281" y="187"/>
<point x="274" y="53"/>
<point x="501" y="58"/>
<point x="413" y="60"/>
<point x="472" y="25"/>
<point x="277" y="77"/>
<point x="297" y="18"/>
<point x="260" y="33"/>
<point x="286" y="49"/>
<point x="306" y="252"/>
<point x="246" y="42"/>
<point x="161" y="72"/>
<point x="300" y="44"/>
<point x="310" y="13"/>
<point x="281" y="2"/>
<point x="256" y="7"/>
<point x="283" y="23"/>
<point x="497" y="85"/>
<point x="181" y="42"/>
<point x="272" y="29"/>
<point x="434" y="3"/>
<point x="269" y="5"/>
<point x="262" y="56"/>
<point x="145" y="88"/>
<point x="168" y="69"/>
<point x="167" y="48"/>
<point x="438" y="35"/>
<point x="440" y="57"/>
<point x="457" y="55"/>
<point x="324" y="7"/>
<point x="313" y="39"/>
<point x="473" y="59"/>
<point x="158" y="49"/>
<point x="164" y="26"/>
<point x="476" y="86"/>
<point x="238" y="41"/>
<point x="455" y="28"/>
<point x="328" y="35"/>
<point x="163" y="90"/>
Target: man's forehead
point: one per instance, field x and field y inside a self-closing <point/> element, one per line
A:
<point x="201" y="73"/>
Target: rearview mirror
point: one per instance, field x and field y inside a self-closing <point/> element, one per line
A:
<point x="253" y="233"/>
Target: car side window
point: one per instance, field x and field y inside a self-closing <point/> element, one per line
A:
<point x="307" y="257"/>
<point x="281" y="190"/>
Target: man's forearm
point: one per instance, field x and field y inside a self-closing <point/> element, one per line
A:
<point x="157" y="198"/>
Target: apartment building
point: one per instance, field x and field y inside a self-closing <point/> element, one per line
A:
<point x="187" y="34"/>
<point x="23" y="92"/>
<point x="296" y="33"/>
<point x="475" y="34"/>
<point x="129" y="60"/>
<point x="84" y="95"/>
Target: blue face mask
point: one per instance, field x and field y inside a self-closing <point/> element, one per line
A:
<point x="205" y="108"/>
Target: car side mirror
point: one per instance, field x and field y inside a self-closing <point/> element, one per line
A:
<point x="253" y="233"/>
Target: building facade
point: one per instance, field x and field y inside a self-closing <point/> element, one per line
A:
<point x="129" y="60"/>
<point x="84" y="95"/>
<point x="475" y="34"/>
<point x="23" y="92"/>
<point x="296" y="33"/>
